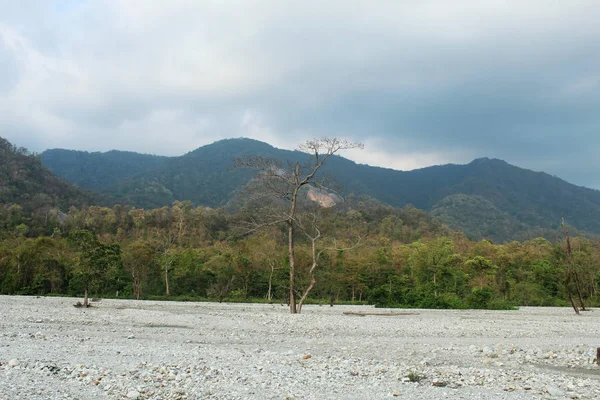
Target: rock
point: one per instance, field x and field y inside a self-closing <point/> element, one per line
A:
<point x="134" y="394"/>
<point x="554" y="391"/>
<point x="14" y="363"/>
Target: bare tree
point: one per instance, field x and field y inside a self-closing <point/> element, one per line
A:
<point x="284" y="183"/>
<point x="313" y="233"/>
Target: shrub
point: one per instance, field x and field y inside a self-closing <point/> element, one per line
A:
<point x="480" y="298"/>
<point x="414" y="377"/>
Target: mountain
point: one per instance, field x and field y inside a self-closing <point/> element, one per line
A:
<point x="485" y="198"/>
<point x="37" y="192"/>
<point x="97" y="171"/>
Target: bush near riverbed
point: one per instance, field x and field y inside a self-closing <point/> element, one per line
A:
<point x="405" y="259"/>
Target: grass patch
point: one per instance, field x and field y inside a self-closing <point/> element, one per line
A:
<point x="415" y="377"/>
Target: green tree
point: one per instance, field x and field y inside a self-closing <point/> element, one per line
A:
<point x="482" y="267"/>
<point x="138" y="260"/>
<point x="94" y="261"/>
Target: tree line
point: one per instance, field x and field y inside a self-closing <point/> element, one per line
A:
<point x="404" y="258"/>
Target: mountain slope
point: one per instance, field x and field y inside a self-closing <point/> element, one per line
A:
<point x="97" y="171"/>
<point x="29" y="191"/>
<point x="487" y="198"/>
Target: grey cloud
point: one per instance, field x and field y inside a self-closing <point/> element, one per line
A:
<point x="9" y="68"/>
<point x="516" y="80"/>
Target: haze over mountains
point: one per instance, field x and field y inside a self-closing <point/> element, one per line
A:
<point x="487" y="198"/>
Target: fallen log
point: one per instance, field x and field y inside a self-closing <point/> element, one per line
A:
<point x="384" y="314"/>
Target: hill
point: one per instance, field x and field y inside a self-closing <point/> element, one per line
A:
<point x="29" y="190"/>
<point x="97" y="171"/>
<point x="485" y="198"/>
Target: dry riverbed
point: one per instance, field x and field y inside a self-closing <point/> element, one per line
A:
<point x="124" y="349"/>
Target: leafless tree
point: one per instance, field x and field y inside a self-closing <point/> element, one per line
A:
<point x="313" y="233"/>
<point x="283" y="183"/>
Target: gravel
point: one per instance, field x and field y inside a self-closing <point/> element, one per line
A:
<point x="125" y="349"/>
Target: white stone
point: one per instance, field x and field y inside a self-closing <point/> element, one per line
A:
<point x="554" y="391"/>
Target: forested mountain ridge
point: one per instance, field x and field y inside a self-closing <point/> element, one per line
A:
<point x="485" y="198"/>
<point x="96" y="170"/>
<point x="391" y="256"/>
<point x="28" y="190"/>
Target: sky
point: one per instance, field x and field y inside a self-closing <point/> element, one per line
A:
<point x="419" y="82"/>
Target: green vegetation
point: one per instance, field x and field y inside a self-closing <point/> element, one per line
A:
<point x="406" y="258"/>
<point x="485" y="199"/>
<point x="414" y="377"/>
<point x="98" y="171"/>
<point x="32" y="199"/>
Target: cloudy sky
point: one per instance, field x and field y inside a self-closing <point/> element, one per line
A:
<point x="420" y="82"/>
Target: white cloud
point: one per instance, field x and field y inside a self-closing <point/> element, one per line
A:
<point x="398" y="156"/>
<point x="167" y="76"/>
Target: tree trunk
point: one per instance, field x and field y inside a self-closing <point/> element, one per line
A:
<point x="136" y="286"/>
<point x="270" y="283"/>
<point x="167" y="278"/>
<point x="571" y="294"/>
<point x="315" y="264"/>
<point x="578" y="287"/>
<point x="313" y="281"/>
<point x="293" y="309"/>
<point x="569" y="267"/>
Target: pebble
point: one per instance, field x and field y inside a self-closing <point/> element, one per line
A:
<point x="554" y="391"/>
<point x="235" y="352"/>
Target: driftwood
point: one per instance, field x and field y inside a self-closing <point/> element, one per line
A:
<point x="384" y="314"/>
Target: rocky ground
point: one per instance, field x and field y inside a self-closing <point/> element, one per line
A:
<point x="124" y="349"/>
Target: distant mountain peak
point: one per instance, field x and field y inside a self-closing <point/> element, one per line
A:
<point x="488" y="160"/>
<point x="487" y="197"/>
<point x="232" y="144"/>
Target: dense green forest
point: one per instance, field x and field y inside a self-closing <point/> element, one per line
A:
<point x="406" y="259"/>
<point x="65" y="244"/>
<point x="97" y="171"/>
<point x="486" y="198"/>
<point x="29" y="190"/>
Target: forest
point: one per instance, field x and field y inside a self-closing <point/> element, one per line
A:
<point x="405" y="259"/>
<point x="486" y="198"/>
<point x="357" y="250"/>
